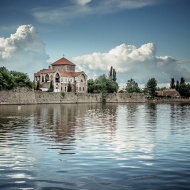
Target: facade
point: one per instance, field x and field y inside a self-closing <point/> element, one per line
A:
<point x="61" y="73"/>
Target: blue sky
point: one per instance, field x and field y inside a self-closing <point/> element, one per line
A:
<point x="141" y="39"/>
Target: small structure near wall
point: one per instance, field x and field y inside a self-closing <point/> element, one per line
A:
<point x="62" y="74"/>
<point x="170" y="93"/>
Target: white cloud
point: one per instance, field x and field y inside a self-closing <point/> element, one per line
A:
<point x="81" y="8"/>
<point x="141" y="64"/>
<point x="23" y="51"/>
<point x="82" y="2"/>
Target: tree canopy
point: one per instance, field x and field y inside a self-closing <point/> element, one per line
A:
<point x="102" y="84"/>
<point x="13" y="79"/>
<point x="151" y="86"/>
<point x="132" y="86"/>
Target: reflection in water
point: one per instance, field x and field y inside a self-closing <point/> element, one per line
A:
<point x="95" y="146"/>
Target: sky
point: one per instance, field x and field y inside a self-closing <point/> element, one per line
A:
<point x="141" y="39"/>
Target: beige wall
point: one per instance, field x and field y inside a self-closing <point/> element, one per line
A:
<point x="27" y="96"/>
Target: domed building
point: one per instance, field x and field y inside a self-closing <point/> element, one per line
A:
<point x="62" y="74"/>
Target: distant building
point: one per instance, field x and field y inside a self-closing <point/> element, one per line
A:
<point x="173" y="93"/>
<point x="61" y="73"/>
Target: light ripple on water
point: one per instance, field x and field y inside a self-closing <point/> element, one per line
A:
<point x="89" y="146"/>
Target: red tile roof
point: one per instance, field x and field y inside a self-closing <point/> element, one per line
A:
<point x="70" y="74"/>
<point x="47" y="71"/>
<point x="63" y="61"/>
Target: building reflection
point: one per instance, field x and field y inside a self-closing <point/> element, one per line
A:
<point x="64" y="122"/>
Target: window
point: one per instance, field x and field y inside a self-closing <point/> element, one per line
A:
<point x="57" y="77"/>
<point x="83" y="88"/>
<point x="79" y="88"/>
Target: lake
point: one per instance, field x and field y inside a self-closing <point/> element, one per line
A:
<point x="94" y="146"/>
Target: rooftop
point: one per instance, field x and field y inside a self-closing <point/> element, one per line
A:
<point x="62" y="61"/>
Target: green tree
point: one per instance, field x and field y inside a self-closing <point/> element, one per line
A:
<point x="151" y="86"/>
<point x="90" y="86"/>
<point x="102" y="85"/>
<point x="38" y="85"/>
<point x="21" y="79"/>
<point x="69" y="87"/>
<point x="7" y="81"/>
<point x="132" y="86"/>
<point x="51" y="87"/>
<point x="184" y="90"/>
<point x="112" y="74"/>
<point x="182" y="81"/>
<point x="172" y="83"/>
<point x="177" y="85"/>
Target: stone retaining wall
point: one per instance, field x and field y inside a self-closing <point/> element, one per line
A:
<point x="28" y="96"/>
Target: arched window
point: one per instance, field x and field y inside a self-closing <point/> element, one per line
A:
<point x="42" y="78"/>
<point x="47" y="77"/>
<point x="57" y="77"/>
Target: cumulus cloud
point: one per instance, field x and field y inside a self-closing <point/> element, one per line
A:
<point x="78" y="8"/>
<point x="141" y="64"/>
<point x="23" y="51"/>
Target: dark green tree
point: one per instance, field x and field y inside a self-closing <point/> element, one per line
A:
<point x="182" y="81"/>
<point x="102" y="84"/>
<point x="111" y="72"/>
<point x="51" y="87"/>
<point x="177" y="85"/>
<point x="172" y="83"/>
<point x="90" y="86"/>
<point x="7" y="81"/>
<point x="21" y="79"/>
<point x="184" y="90"/>
<point x="38" y="85"/>
<point x="69" y="87"/>
<point x="114" y="75"/>
<point x="151" y="86"/>
<point x="132" y="86"/>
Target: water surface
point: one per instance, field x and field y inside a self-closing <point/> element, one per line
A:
<point x="95" y="146"/>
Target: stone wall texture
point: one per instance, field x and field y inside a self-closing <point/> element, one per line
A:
<point x="28" y="96"/>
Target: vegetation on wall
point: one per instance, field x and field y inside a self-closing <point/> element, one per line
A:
<point x="13" y="79"/>
<point x="51" y="87"/>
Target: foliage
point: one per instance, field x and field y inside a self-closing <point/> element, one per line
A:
<point x="182" y="81"/>
<point x="69" y="87"/>
<point x="90" y="86"/>
<point x="151" y="86"/>
<point x="21" y="79"/>
<point x="112" y="74"/>
<point x="184" y="90"/>
<point x="63" y="94"/>
<point x="160" y="88"/>
<point x="38" y="85"/>
<point x="132" y="86"/>
<point x="13" y="79"/>
<point x="121" y="91"/>
<point x="172" y="83"/>
<point x="51" y="88"/>
<point x="177" y="85"/>
<point x="102" y="85"/>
